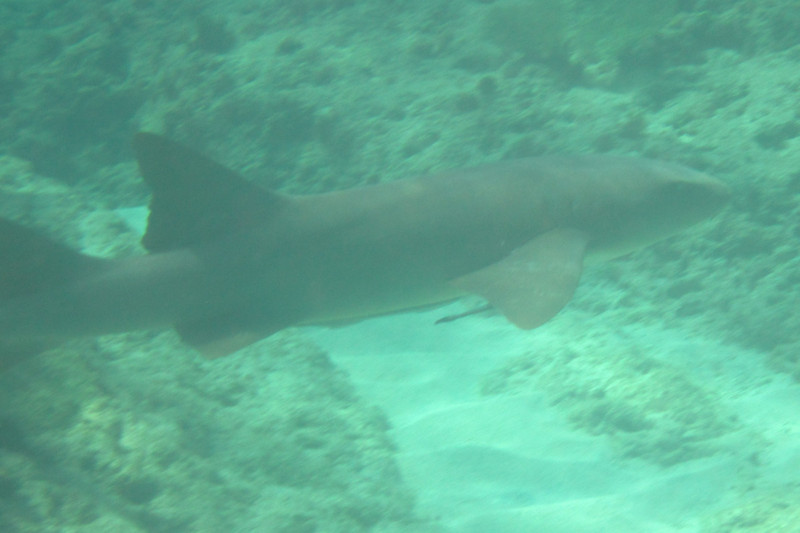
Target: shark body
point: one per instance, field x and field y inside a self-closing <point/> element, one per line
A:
<point x="230" y="263"/>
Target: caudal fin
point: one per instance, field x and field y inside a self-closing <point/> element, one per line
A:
<point x="31" y="263"/>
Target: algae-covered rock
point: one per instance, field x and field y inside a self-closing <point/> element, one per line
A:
<point x="646" y="408"/>
<point x="137" y="432"/>
<point x="771" y="511"/>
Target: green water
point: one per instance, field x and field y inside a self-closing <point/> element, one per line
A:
<point x="664" y="398"/>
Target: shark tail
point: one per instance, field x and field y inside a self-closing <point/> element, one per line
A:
<point x="31" y="263"/>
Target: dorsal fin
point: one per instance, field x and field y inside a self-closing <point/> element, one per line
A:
<point x="195" y="199"/>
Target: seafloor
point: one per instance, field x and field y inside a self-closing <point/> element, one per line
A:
<point x="665" y="398"/>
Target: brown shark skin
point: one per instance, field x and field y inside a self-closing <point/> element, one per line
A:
<point x="397" y="245"/>
<point x="366" y="251"/>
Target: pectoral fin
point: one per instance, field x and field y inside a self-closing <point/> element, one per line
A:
<point x="535" y="281"/>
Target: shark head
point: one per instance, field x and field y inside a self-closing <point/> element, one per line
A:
<point x="682" y="197"/>
<point x="646" y="201"/>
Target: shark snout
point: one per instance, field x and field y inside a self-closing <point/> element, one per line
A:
<point x="721" y="191"/>
<point x="714" y="193"/>
<point x="696" y="196"/>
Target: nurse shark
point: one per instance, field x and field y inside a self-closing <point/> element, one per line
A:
<point x="230" y="262"/>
